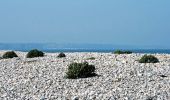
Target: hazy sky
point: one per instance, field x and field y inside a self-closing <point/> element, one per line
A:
<point x="129" y="22"/>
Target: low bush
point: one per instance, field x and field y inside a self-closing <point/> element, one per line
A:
<point x="148" y="59"/>
<point x="91" y="58"/>
<point x="61" y="55"/>
<point x="35" y="53"/>
<point x="80" y="70"/>
<point x="122" y="52"/>
<point x="9" y="54"/>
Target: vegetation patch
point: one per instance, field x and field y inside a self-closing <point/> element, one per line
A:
<point x="35" y="53"/>
<point x="80" y="70"/>
<point x="9" y="54"/>
<point x="61" y="55"/>
<point x="122" y="52"/>
<point x="91" y="58"/>
<point x="148" y="59"/>
<point x="30" y="61"/>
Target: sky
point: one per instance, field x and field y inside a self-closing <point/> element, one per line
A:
<point x="119" y="22"/>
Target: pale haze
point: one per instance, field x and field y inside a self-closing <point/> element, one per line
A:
<point x="119" y="22"/>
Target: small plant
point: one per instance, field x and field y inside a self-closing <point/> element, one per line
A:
<point x="9" y="54"/>
<point x="35" y="53"/>
<point x="80" y="70"/>
<point x="91" y="58"/>
<point x="61" y="55"/>
<point x="149" y="98"/>
<point x="148" y="59"/>
<point x="128" y="52"/>
<point x="152" y="98"/>
<point x="122" y="52"/>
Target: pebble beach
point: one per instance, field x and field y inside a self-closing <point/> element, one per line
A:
<point x="119" y="77"/>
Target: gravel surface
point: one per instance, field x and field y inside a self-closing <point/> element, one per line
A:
<point x="120" y="77"/>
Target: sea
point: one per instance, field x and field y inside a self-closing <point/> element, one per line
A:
<point x="102" y="48"/>
<point x="149" y="51"/>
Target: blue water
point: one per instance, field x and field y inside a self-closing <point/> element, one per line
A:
<point x="152" y="51"/>
<point x="53" y="47"/>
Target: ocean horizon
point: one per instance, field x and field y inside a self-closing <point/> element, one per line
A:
<point x="105" y="48"/>
<point x="150" y="51"/>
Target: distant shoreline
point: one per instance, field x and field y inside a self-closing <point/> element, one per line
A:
<point x="151" y="51"/>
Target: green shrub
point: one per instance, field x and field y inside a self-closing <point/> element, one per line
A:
<point x="61" y="55"/>
<point x="122" y="52"/>
<point x="148" y="59"/>
<point x="80" y="70"/>
<point x="9" y="54"/>
<point x="91" y="58"/>
<point x="35" y="53"/>
<point x="128" y="52"/>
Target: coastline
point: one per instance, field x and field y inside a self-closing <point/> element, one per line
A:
<point x="119" y="77"/>
<point x="141" y="51"/>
